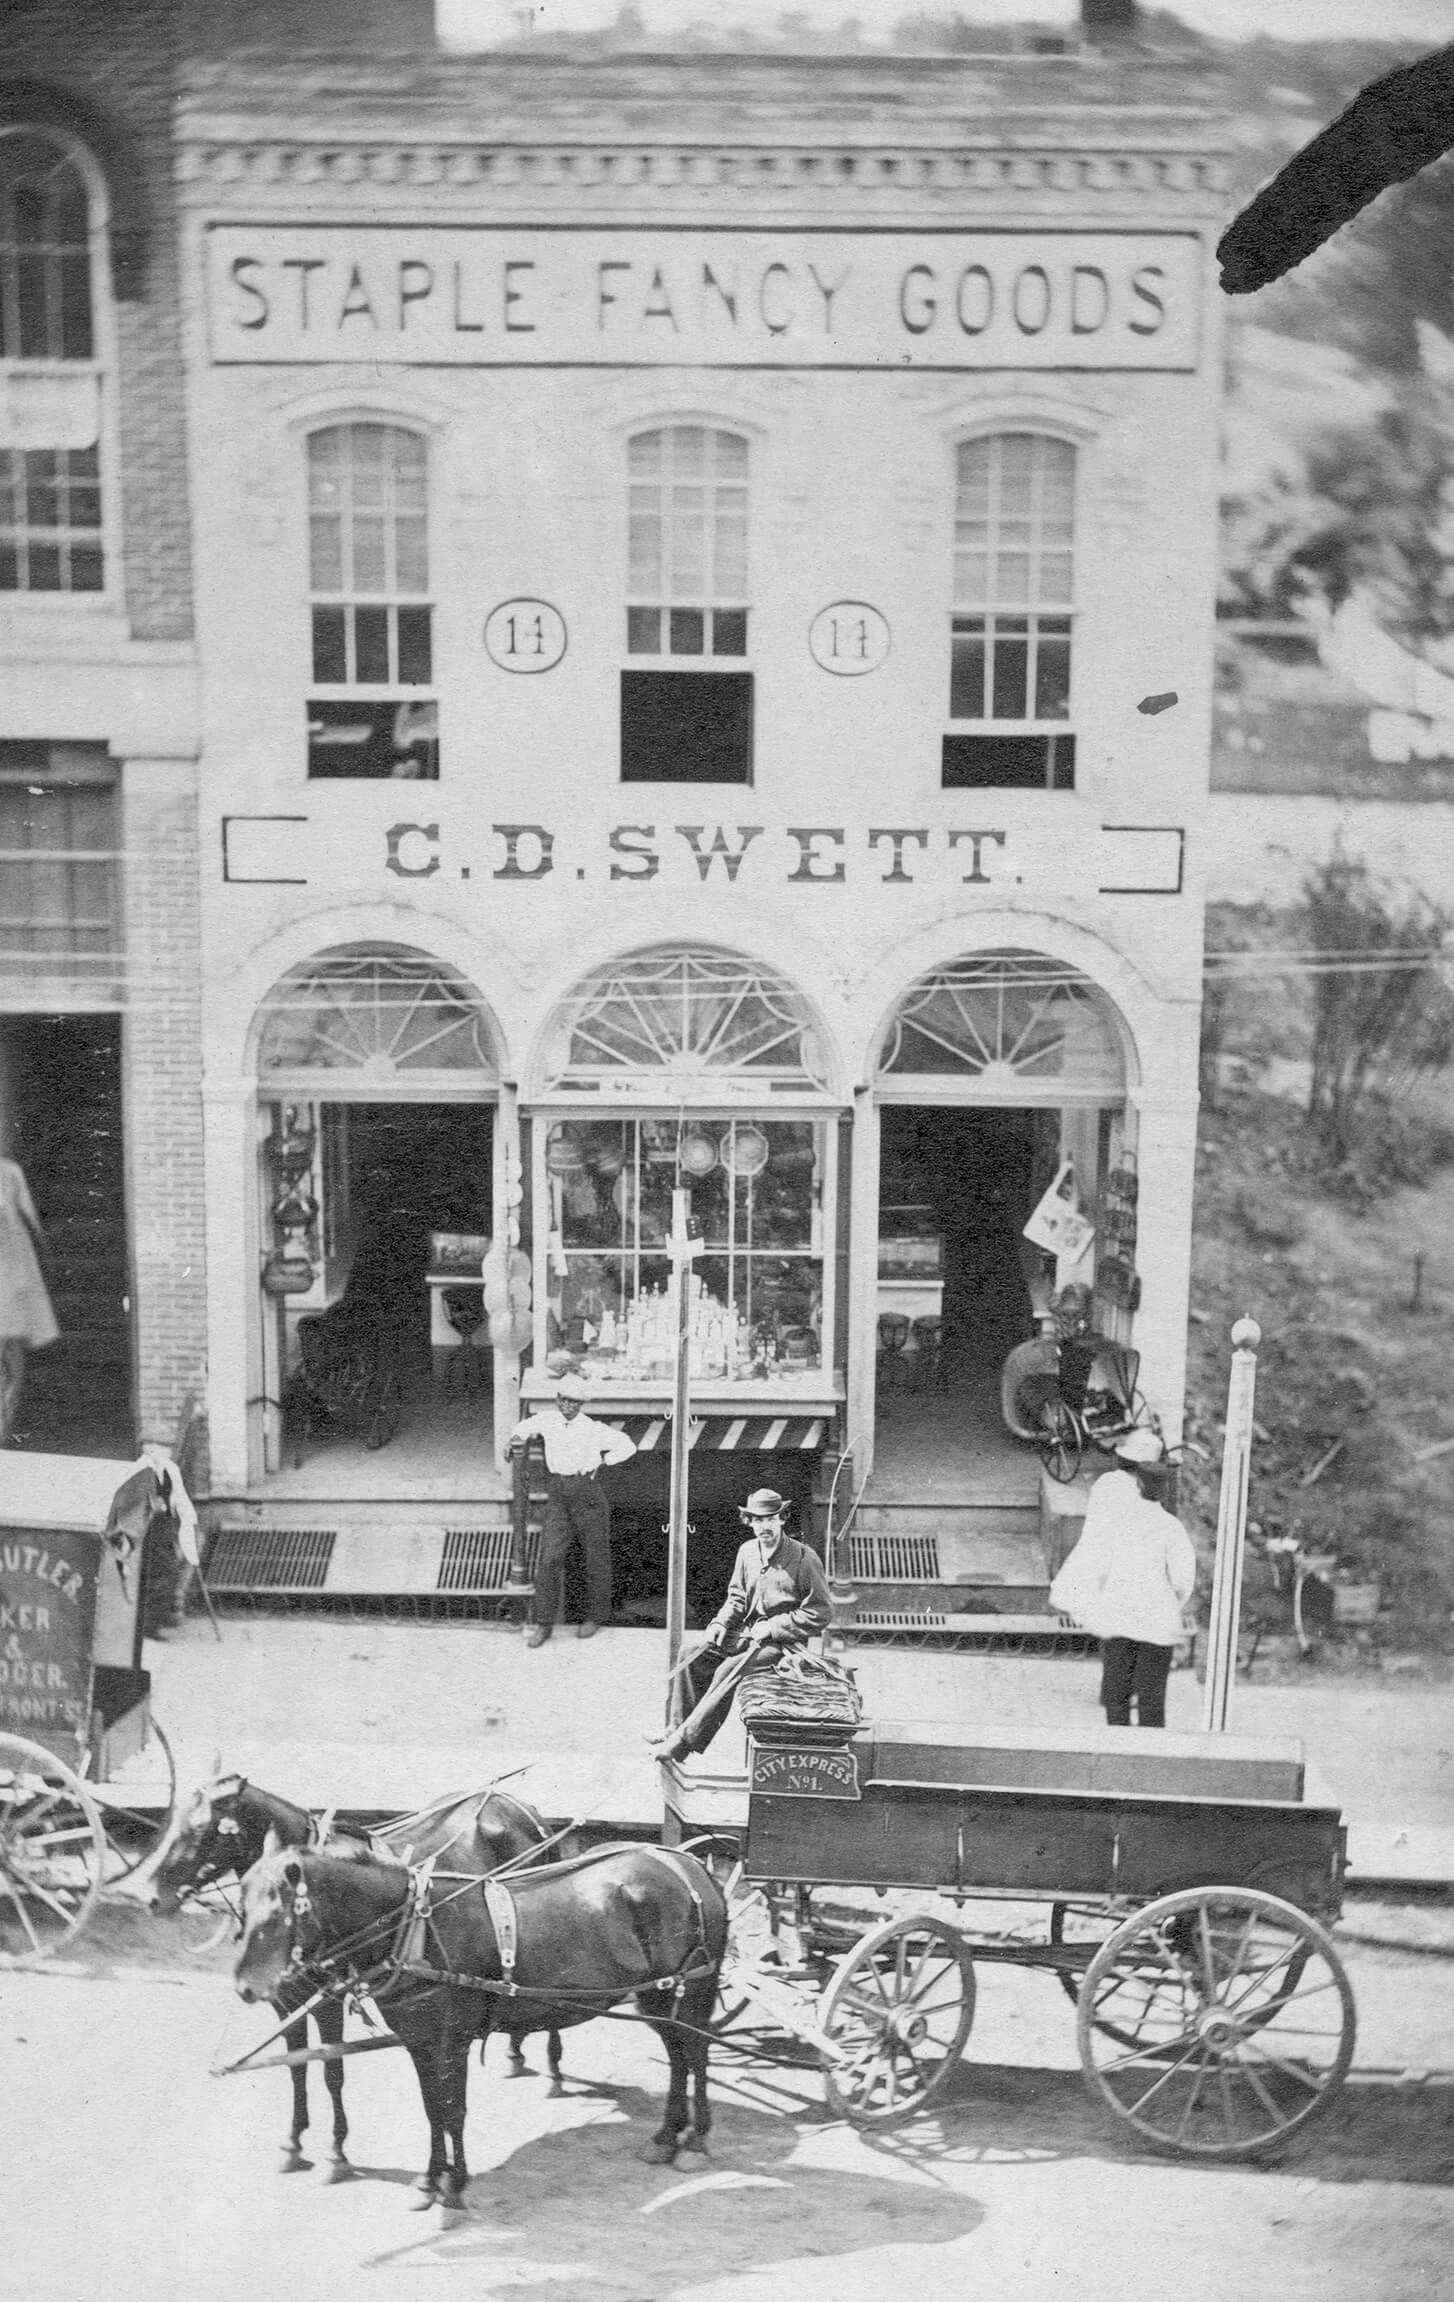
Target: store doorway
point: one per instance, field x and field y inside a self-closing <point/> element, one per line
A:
<point x="956" y="1184"/>
<point x="404" y="1206"/>
<point x="61" y="1119"/>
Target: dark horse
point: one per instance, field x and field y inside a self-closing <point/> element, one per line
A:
<point x="229" y="1824"/>
<point x="622" y="1922"/>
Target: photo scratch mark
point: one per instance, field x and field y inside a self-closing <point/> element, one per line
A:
<point x="1395" y="127"/>
<point x="1152" y="704"/>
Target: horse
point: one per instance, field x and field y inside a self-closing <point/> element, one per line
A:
<point x="230" y="1823"/>
<point x="569" y="1943"/>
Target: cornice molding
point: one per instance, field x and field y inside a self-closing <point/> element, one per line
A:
<point x="452" y="171"/>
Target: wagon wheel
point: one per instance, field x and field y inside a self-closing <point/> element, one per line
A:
<point x="52" y="1853"/>
<point x="1240" y="2014"/>
<point x="1087" y="1923"/>
<point x="1059" y="1441"/>
<point x="897" y="2012"/>
<point x="206" y="1920"/>
<point x="135" y="1823"/>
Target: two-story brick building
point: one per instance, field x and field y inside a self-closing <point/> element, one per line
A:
<point x="705" y="576"/>
<point x="99" y="958"/>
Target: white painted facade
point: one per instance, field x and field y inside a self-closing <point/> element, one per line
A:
<point x="872" y="171"/>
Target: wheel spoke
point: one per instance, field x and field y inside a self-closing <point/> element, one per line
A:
<point x="1166" y="2077"/>
<point x="1298" y="2072"/>
<point x="1191" y="2102"/>
<point x="1246" y="2071"/>
<point x="24" y="1917"/>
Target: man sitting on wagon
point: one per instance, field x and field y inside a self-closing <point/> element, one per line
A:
<point x="777" y="1599"/>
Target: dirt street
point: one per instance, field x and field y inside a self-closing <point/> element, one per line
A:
<point x="135" y="2175"/>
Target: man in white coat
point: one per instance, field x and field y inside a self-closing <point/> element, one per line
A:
<point x="1127" y="1580"/>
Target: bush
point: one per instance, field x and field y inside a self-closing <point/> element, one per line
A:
<point x="1382" y="1011"/>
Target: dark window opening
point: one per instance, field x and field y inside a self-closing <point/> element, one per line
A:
<point x="1008" y="763"/>
<point x="380" y="740"/>
<point x="686" y="727"/>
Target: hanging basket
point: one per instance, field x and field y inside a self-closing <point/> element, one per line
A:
<point x="564" y="1153"/>
<point x="698" y="1155"/>
<point x="744" y="1151"/>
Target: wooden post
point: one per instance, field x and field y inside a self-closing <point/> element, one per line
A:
<point x="683" y="1250"/>
<point x="1231" y="1528"/>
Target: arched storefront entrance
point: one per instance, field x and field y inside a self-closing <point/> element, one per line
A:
<point x="380" y="1177"/>
<point x="998" y="1073"/>
<point x="682" y="1064"/>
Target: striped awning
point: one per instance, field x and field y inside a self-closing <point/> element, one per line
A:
<point x="721" y="1433"/>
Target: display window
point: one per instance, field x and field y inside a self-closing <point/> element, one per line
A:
<point x="758" y="1189"/>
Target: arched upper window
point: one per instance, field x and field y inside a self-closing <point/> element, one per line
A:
<point x="1013" y="610"/>
<point x="1005" y="1027"/>
<point x="50" y="492"/>
<point x="681" y="1019"/>
<point x="375" y="1013"/>
<point x="370" y="604"/>
<point x="688" y="721"/>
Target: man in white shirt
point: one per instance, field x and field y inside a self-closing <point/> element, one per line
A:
<point x="1127" y="1580"/>
<point x="576" y="1509"/>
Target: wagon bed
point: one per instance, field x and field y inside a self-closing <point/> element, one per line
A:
<point x="1189" y="1879"/>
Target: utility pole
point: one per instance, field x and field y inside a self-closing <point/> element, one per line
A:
<point x="1231" y="1528"/>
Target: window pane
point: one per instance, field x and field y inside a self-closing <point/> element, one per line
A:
<point x="645" y="553"/>
<point x="1011" y="664"/>
<point x="729" y="631"/>
<point x="687" y="631"/>
<point x="411" y="552"/>
<point x="1055" y="577"/>
<point x="689" y="450"/>
<point x="644" y="453"/>
<point x="415" y="650"/>
<point x="368" y="555"/>
<point x="325" y="554"/>
<point x="35" y="339"/>
<point x="330" y="658"/>
<point x="1052" y="675"/>
<point x="86" y="567"/>
<point x="688" y="555"/>
<point x="9" y="568"/>
<point x="731" y="455"/>
<point x="75" y="308"/>
<point x="966" y="673"/>
<point x="730" y="579"/>
<point x="371" y="645"/>
<point x="45" y="567"/>
<point x="325" y="450"/>
<point x="643" y="631"/>
<point x="42" y="495"/>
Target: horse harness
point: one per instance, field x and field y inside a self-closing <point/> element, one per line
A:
<point x="410" y="1955"/>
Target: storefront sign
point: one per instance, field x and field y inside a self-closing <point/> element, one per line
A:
<point x="47" y="1612"/>
<point x="600" y="296"/>
<point x="849" y="638"/>
<point x="1069" y="856"/>
<point x="804" y="1773"/>
<point x="525" y="635"/>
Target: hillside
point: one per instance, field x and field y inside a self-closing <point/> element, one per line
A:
<point x="1354" y="1369"/>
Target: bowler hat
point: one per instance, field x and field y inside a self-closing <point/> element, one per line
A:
<point x="761" y="1502"/>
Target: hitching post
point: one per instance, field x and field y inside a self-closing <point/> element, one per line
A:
<point x="683" y="1251"/>
<point x="1231" y="1528"/>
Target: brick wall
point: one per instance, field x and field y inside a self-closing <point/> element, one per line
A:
<point x="161" y="1088"/>
<point x="117" y="58"/>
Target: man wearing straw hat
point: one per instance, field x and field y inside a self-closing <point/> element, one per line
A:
<point x="777" y="1599"/>
<point x="576" y="1510"/>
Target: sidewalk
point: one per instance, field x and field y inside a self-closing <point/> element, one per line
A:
<point x="372" y="1716"/>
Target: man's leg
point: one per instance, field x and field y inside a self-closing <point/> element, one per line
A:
<point x="592" y="1515"/>
<point x="1118" y="1662"/>
<point x="555" y="1541"/>
<point x="707" y="1714"/>
<point x="1151" y="1670"/>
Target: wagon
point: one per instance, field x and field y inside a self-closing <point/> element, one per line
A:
<point x="1178" y="1887"/>
<point x="86" y="1774"/>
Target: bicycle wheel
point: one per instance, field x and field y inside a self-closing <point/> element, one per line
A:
<point x="1060" y="1441"/>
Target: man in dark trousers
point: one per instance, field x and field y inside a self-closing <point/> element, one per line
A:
<point x="777" y="1599"/>
<point x="576" y="1447"/>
